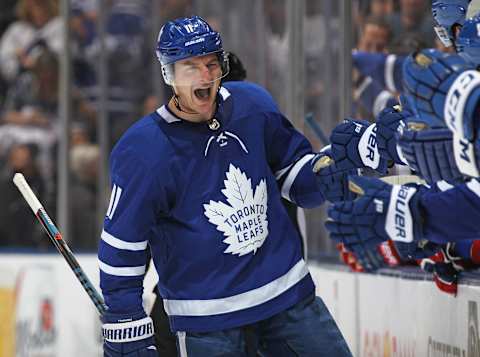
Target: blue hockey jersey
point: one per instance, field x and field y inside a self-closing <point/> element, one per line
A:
<point x="452" y="213"/>
<point x="206" y="203"/>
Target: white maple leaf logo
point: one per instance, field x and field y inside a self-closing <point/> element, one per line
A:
<point x="243" y="220"/>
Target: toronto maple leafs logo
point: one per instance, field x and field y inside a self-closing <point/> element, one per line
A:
<point x="243" y="220"/>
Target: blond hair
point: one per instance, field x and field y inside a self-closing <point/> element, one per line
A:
<point x="23" y="9"/>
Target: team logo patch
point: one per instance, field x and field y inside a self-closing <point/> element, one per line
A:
<point x="243" y="218"/>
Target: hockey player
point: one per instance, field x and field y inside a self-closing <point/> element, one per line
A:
<point x="197" y="182"/>
<point x="468" y="41"/>
<point x="164" y="338"/>
<point x="449" y="16"/>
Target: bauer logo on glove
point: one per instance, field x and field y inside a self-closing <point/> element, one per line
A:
<point x="380" y="213"/>
<point x="354" y="145"/>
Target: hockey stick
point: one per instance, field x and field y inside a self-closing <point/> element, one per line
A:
<point x="57" y="240"/>
<point x="310" y="120"/>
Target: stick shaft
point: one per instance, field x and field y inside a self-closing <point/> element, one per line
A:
<point x="310" y="120"/>
<point x="57" y="240"/>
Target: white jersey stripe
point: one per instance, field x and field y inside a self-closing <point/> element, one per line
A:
<point x="389" y="75"/>
<point x="122" y="271"/>
<point x="380" y="102"/>
<point x="166" y="115"/>
<point x="241" y="301"/>
<point x="224" y="92"/>
<point x="121" y="244"/>
<point x="292" y="175"/>
<point x="279" y="174"/>
<point x="112" y="198"/>
<point x="118" y="193"/>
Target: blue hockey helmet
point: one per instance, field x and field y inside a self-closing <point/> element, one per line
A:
<point x="185" y="38"/>
<point x="447" y="14"/>
<point x="468" y="40"/>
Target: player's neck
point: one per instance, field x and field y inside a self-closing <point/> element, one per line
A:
<point x="189" y="114"/>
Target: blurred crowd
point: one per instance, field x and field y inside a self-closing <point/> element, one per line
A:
<point x="31" y="42"/>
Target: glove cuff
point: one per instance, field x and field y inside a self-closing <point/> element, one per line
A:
<point x="399" y="222"/>
<point x="460" y="105"/>
<point x="128" y="331"/>
<point x="461" y="102"/>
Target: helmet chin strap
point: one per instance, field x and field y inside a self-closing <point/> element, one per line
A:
<point x="176" y="102"/>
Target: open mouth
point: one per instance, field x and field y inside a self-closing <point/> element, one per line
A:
<point x="202" y="93"/>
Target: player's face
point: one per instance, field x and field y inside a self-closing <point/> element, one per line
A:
<point x="196" y="83"/>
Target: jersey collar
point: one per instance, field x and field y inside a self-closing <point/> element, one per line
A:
<point x="169" y="117"/>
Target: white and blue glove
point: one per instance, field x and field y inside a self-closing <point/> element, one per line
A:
<point x="354" y="145"/>
<point x="444" y="90"/>
<point x="129" y="335"/>
<point x="380" y="213"/>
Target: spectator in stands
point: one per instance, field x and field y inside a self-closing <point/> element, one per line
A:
<point x="37" y="21"/>
<point x="368" y="96"/>
<point x="84" y="165"/>
<point x="7" y="15"/>
<point x="19" y="227"/>
<point x="174" y="9"/>
<point x="414" y="16"/>
<point x="31" y="109"/>
<point x="375" y="35"/>
<point x="32" y="100"/>
<point x="407" y="44"/>
<point x="79" y="134"/>
<point x="381" y="8"/>
<point x="126" y="53"/>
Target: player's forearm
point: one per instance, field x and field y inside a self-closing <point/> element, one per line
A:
<point x="452" y="215"/>
<point x="121" y="277"/>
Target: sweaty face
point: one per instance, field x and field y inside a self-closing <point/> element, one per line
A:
<point x="196" y="82"/>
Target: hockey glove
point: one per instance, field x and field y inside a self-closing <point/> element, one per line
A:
<point x="445" y="269"/>
<point x="332" y="180"/>
<point x="388" y="123"/>
<point x="430" y="77"/>
<point x="369" y="260"/>
<point x="382" y="212"/>
<point x="128" y="335"/>
<point x="430" y="153"/>
<point x="445" y="89"/>
<point x="354" y="145"/>
<point x="349" y="258"/>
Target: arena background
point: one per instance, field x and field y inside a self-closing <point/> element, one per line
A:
<point x="66" y="99"/>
